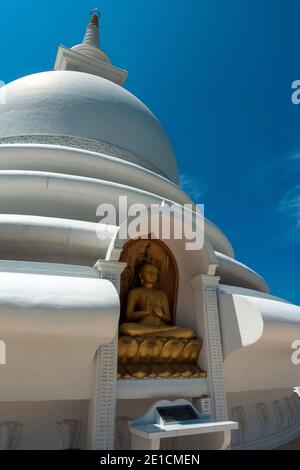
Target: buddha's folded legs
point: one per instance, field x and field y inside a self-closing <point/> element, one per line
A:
<point x="136" y="329"/>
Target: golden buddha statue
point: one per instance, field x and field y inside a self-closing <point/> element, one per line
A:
<point x="148" y="312"/>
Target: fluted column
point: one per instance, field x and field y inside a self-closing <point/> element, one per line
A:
<point x="206" y="302"/>
<point x="102" y="419"/>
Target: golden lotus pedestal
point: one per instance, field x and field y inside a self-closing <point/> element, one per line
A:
<point x="158" y="357"/>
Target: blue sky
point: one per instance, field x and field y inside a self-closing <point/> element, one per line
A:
<point x="218" y="75"/>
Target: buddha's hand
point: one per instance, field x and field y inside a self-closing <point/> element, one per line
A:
<point x="148" y="306"/>
<point x="157" y="310"/>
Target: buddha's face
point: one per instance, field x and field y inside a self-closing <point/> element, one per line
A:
<point x="148" y="274"/>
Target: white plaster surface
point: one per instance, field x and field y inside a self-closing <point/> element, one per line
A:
<point x="80" y="104"/>
<point x="53" y="324"/>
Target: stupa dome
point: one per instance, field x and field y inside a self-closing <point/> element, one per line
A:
<point x="78" y="104"/>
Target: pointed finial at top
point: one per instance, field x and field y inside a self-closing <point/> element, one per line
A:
<point x="95" y="15"/>
<point x="92" y="32"/>
<point x="95" y="12"/>
<point x="88" y="56"/>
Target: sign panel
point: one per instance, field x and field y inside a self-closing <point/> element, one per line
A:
<point x="171" y="414"/>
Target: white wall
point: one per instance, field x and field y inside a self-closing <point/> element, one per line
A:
<point x="39" y="422"/>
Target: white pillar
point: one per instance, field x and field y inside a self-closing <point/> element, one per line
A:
<point x="111" y="270"/>
<point x="208" y="325"/>
<point x="102" y="419"/>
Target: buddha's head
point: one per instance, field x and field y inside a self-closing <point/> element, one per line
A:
<point x="148" y="275"/>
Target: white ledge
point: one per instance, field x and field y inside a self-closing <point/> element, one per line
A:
<point x="161" y="388"/>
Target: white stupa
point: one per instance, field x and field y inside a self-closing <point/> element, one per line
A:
<point x="71" y="139"/>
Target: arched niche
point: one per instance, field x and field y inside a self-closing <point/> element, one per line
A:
<point x="190" y="265"/>
<point x="138" y="252"/>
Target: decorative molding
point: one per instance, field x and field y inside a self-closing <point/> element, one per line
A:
<point x="204" y="279"/>
<point x="69" y="432"/>
<point x="276" y="429"/>
<point x="263" y="418"/>
<point x="238" y="414"/>
<point x="279" y="413"/>
<point x="289" y="409"/>
<point x="205" y="288"/>
<point x="10" y="435"/>
<point x="103" y="407"/>
<point x="105" y="397"/>
<point x="111" y="270"/>
<point x="273" y="441"/>
<point x="215" y="347"/>
<point x="91" y="145"/>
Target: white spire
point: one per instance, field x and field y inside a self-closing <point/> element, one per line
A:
<point x="88" y="57"/>
<point x="92" y="35"/>
<point x="91" y="43"/>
